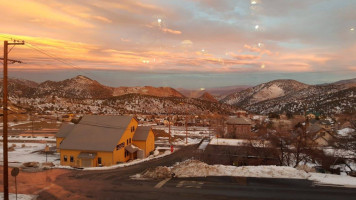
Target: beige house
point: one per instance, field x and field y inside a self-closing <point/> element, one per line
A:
<point x="319" y="135"/>
<point x="238" y="127"/>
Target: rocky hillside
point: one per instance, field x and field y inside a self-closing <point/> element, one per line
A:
<point x="137" y="103"/>
<point x="207" y="97"/>
<point x="125" y="104"/>
<point x="218" y="93"/>
<point x="147" y="90"/>
<point x="291" y="96"/>
<point x="263" y="92"/>
<point x="19" y="87"/>
<point x="81" y="87"/>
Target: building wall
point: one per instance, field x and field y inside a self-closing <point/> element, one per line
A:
<point x="141" y="145"/>
<point x="119" y="154"/>
<point x="150" y="143"/>
<point x="324" y="138"/>
<point x="238" y="130"/>
<point x="58" y="142"/>
<point x="106" y="158"/>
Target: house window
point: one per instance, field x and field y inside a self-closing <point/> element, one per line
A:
<point x="99" y="160"/>
<point x="133" y="128"/>
<point x="65" y="158"/>
<point x="71" y="159"/>
<point x="130" y="140"/>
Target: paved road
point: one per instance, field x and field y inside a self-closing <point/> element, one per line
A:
<point x="116" y="184"/>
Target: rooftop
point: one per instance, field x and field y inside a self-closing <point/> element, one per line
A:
<point x="96" y="133"/>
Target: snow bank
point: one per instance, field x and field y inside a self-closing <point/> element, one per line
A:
<point x="345" y="132"/>
<point x="194" y="168"/>
<point x="333" y="179"/>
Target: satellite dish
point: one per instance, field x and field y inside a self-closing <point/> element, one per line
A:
<point x="15" y="171"/>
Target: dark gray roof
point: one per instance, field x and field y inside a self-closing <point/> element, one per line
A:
<point x="238" y="120"/>
<point x="141" y="133"/>
<point x="96" y="133"/>
<point x="115" y="121"/>
<point x="314" y="128"/>
<point x="64" y="130"/>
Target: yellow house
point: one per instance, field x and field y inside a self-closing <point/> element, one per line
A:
<point x="99" y="141"/>
<point x="144" y="139"/>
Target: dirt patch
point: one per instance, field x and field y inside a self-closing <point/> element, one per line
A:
<point x="157" y="173"/>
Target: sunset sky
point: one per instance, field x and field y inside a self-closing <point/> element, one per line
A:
<point x="182" y="43"/>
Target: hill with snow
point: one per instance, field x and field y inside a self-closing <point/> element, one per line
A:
<point x="291" y="96"/>
<point x="265" y="91"/>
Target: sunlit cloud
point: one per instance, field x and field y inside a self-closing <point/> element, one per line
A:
<point x="175" y="32"/>
<point x="181" y="36"/>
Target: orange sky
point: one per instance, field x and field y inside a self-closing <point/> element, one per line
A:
<point x="181" y="36"/>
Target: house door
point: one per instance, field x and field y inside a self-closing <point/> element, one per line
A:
<point x="86" y="163"/>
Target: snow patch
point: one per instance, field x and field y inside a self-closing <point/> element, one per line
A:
<point x="194" y="168"/>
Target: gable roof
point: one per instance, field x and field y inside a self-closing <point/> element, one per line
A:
<point x="141" y="133"/>
<point x="64" y="130"/>
<point x="96" y="133"/>
<point x="314" y="128"/>
<point x="238" y="120"/>
<point x="114" y="121"/>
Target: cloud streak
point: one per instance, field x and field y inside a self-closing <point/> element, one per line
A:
<point x="183" y="36"/>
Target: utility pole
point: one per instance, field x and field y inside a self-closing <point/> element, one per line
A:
<point x="5" y="125"/>
<point x="186" y="129"/>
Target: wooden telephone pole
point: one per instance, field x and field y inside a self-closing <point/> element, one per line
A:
<point x="5" y="125"/>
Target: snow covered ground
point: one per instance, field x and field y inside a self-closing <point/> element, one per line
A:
<point x="21" y="138"/>
<point x="195" y="134"/>
<point x="238" y="142"/>
<point x="345" y="132"/>
<point x="19" y="196"/>
<point x="194" y="168"/>
<point x="193" y="131"/>
<point x="26" y="152"/>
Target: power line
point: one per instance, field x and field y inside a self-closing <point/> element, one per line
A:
<point x="38" y="49"/>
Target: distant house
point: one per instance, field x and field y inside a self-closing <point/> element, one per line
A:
<point x="103" y="141"/>
<point x="318" y="135"/>
<point x="238" y="127"/>
<point x="67" y="117"/>
<point x="241" y="113"/>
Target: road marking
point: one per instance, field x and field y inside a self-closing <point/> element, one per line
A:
<point x="160" y="184"/>
<point x="43" y="189"/>
<point x="190" y="184"/>
<point x="180" y="184"/>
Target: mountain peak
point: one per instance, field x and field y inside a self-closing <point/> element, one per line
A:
<point x="207" y="97"/>
<point x="82" y="78"/>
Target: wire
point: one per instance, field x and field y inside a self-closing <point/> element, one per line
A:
<point x="38" y="49"/>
